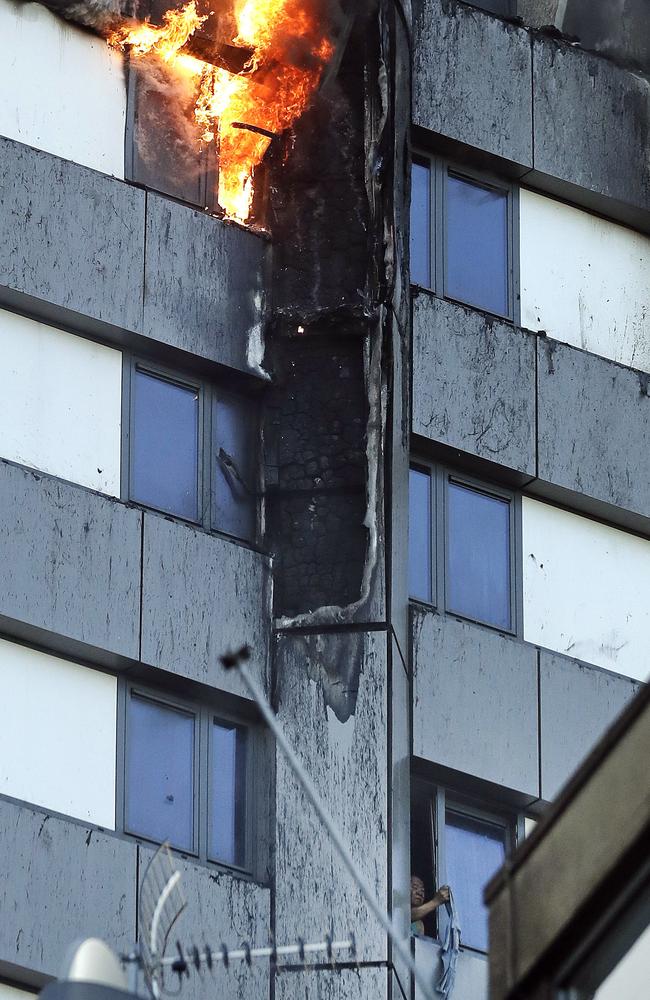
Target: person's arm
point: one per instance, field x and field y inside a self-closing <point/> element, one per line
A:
<point x="442" y="896"/>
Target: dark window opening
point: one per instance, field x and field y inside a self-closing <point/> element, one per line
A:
<point x="506" y="8"/>
<point x="234" y="466"/>
<point x="423" y="864"/>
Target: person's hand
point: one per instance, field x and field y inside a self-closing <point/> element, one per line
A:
<point x="443" y="893"/>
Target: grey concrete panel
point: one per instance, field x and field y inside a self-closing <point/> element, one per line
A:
<point x="221" y="908"/>
<point x="472" y="79"/>
<point x="475" y="701"/>
<point x="347" y="761"/>
<point x="60" y="881"/>
<point x="202" y="595"/>
<point x="473" y="383"/>
<point x="587" y="109"/>
<point x="71" y="236"/>
<point x="578" y="703"/>
<point x="337" y="984"/>
<point x="69" y="561"/>
<point x="203" y="285"/>
<point x="593" y="426"/>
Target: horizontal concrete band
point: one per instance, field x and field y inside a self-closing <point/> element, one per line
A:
<point x="92" y="252"/>
<point x="538" y="103"/>
<point x="97" y="579"/>
<point x="46" y="858"/>
<point x="502" y="710"/>
<point x="571" y="425"/>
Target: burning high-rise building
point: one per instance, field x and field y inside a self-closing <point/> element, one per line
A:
<point x="325" y="329"/>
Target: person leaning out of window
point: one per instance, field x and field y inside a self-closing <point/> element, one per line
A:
<point x="421" y="909"/>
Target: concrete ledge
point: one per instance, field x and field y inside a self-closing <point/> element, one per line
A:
<point x="593" y="427"/>
<point x="221" y="908"/>
<point x="473" y="383"/>
<point x="69" y="562"/>
<point x="586" y="110"/>
<point x="202" y="595"/>
<point x="60" y="881"/>
<point x="71" y="236"/>
<point x="92" y="253"/>
<point x="475" y="701"/>
<point x="472" y="80"/>
<point x="578" y="703"/>
<point x="203" y="284"/>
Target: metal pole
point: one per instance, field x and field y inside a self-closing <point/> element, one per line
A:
<point x="313" y="796"/>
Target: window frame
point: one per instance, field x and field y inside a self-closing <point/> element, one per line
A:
<point x="441" y="475"/>
<point x="255" y="775"/>
<point x="439" y="168"/>
<point x="208" y="393"/>
<point x="442" y="798"/>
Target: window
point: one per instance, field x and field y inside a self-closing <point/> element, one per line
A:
<point x="462" y="235"/>
<point x="464" y="546"/>
<point x="192" y="450"/>
<point x="165" y="451"/>
<point x="187" y="777"/>
<point x="460" y="843"/>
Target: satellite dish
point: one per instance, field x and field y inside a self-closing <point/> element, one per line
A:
<point x="92" y="961"/>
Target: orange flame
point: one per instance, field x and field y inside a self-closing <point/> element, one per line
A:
<point x="290" y="50"/>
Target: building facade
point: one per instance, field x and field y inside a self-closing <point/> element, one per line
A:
<point x="391" y="430"/>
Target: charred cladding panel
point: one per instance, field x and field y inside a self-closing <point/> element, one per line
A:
<point x="316" y="459"/>
<point x="472" y="79"/>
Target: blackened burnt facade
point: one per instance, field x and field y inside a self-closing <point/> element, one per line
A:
<point x="208" y="432"/>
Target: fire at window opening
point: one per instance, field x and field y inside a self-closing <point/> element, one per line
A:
<point x="286" y="48"/>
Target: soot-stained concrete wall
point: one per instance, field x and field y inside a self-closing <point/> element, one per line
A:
<point x="61" y="881"/>
<point x="475" y="701"/>
<point x="473" y="383"/>
<point x="202" y="595"/>
<point x="472" y="79"/>
<point x="99" y="256"/>
<point x="345" y="753"/>
<point x="315" y="436"/>
<point x="69" y="562"/>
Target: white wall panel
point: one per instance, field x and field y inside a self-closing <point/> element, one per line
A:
<point x="58" y="734"/>
<point x="14" y="993"/>
<point x="63" y="89"/>
<point x="60" y="406"/>
<point x="584" y="280"/>
<point x="586" y="589"/>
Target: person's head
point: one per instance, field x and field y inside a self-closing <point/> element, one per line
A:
<point x="417" y="891"/>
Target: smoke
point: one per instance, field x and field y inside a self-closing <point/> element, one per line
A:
<point x="616" y="28"/>
<point x="100" y="16"/>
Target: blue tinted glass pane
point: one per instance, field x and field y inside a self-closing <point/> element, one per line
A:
<point x="228" y="794"/>
<point x="476" y="269"/>
<point x="475" y="850"/>
<point x="160" y="773"/>
<point x="421" y="225"/>
<point x="164" y="450"/>
<point x="234" y="466"/>
<point x="420" y="524"/>
<point x="478" y="555"/>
